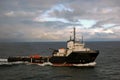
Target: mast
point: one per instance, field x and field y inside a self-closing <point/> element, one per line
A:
<point x="74" y="33"/>
<point x="82" y="39"/>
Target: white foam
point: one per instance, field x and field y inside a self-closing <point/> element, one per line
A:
<point x="92" y="64"/>
<point x="18" y="62"/>
<point x="5" y="63"/>
<point x="12" y="63"/>
<point x="45" y="64"/>
<point x="3" y="60"/>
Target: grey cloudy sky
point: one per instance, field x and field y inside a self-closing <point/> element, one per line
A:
<point x="53" y="20"/>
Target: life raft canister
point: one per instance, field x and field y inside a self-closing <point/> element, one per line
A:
<point x="36" y="56"/>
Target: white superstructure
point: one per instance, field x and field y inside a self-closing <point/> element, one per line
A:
<point x="72" y="45"/>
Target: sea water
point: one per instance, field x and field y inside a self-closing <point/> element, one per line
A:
<point x="107" y="67"/>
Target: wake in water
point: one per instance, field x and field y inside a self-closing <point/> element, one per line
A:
<point x="46" y="64"/>
<point x="5" y="62"/>
<point x="92" y="64"/>
<point x="12" y="63"/>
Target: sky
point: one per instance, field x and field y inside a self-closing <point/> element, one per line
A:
<point x="53" y="20"/>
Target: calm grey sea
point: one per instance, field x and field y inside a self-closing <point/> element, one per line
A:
<point x="107" y="68"/>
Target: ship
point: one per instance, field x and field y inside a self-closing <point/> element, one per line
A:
<point x="75" y="54"/>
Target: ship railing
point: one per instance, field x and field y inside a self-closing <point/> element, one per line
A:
<point x="93" y="51"/>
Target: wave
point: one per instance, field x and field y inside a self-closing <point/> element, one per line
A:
<point x="46" y="64"/>
<point x="92" y="64"/>
<point x="12" y="63"/>
<point x="5" y="62"/>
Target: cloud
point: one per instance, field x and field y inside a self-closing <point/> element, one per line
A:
<point x="28" y="33"/>
<point x="99" y="34"/>
<point x="60" y="8"/>
<point x="109" y="25"/>
<point x="87" y="23"/>
<point x="43" y="20"/>
<point x="101" y="30"/>
<point x="11" y="13"/>
<point x="51" y="19"/>
<point x="19" y="13"/>
<point x="50" y="15"/>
